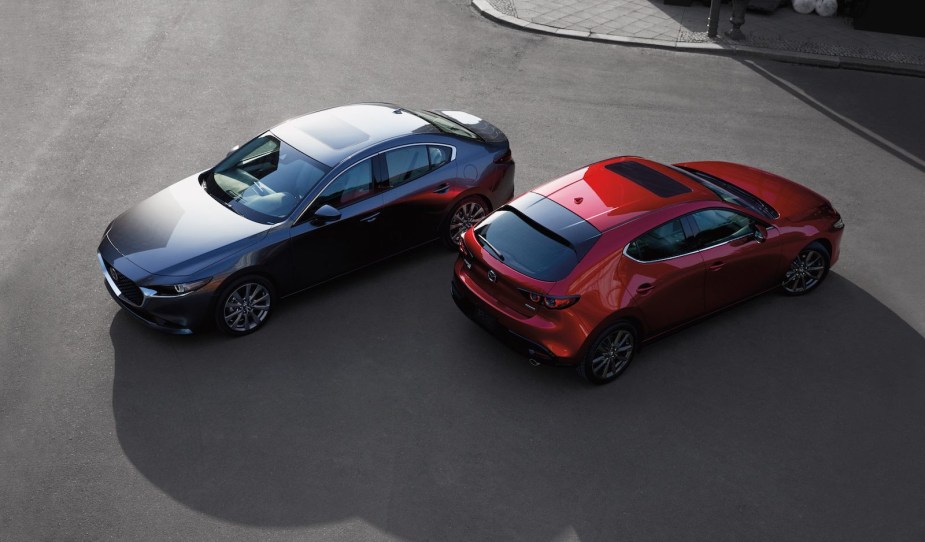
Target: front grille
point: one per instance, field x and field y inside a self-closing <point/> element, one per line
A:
<point x="126" y="286"/>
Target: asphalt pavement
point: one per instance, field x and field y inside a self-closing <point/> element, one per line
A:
<point x="370" y="408"/>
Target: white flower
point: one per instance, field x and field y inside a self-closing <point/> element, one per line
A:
<point x="826" y="8"/>
<point x="804" y="6"/>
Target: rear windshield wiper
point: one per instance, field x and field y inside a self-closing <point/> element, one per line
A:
<point x="496" y="252"/>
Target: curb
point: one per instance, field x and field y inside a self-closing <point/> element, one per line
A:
<point x="745" y="51"/>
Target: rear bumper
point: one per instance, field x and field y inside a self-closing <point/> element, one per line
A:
<point x="522" y="338"/>
<point x="503" y="191"/>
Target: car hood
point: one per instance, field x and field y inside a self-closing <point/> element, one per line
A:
<point x="181" y="230"/>
<point x="791" y="200"/>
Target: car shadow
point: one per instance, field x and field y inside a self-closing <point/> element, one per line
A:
<point x="883" y="109"/>
<point x="374" y="397"/>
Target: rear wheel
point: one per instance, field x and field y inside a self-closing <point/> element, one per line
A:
<point x="610" y="354"/>
<point x="465" y="214"/>
<point x="245" y="306"/>
<point x="807" y="270"/>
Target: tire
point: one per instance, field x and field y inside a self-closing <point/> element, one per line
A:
<point x="807" y="270"/>
<point x="466" y="213"/>
<point x="245" y="305"/>
<point x="610" y="353"/>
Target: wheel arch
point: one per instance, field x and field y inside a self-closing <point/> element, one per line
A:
<point x="234" y="276"/>
<point x="629" y="315"/>
<point x="826" y="244"/>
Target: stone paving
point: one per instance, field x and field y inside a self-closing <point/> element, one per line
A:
<point x="783" y="30"/>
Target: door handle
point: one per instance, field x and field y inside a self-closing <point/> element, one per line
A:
<point x="442" y="188"/>
<point x="717" y="266"/>
<point x="371" y="218"/>
<point x="645" y="288"/>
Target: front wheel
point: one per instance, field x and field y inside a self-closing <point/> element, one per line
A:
<point x="610" y="354"/>
<point x="244" y="306"/>
<point x="807" y="270"/>
<point x="465" y="214"/>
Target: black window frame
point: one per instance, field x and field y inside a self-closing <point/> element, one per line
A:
<point x="691" y="230"/>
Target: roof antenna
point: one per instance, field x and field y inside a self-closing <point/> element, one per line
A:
<point x="397" y="111"/>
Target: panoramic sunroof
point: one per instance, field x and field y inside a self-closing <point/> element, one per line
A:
<point x="646" y="177"/>
<point x="332" y="130"/>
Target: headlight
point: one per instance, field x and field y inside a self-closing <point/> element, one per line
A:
<point x="182" y="288"/>
<point x="188" y="287"/>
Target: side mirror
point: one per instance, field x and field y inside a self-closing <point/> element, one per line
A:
<point x="760" y="234"/>
<point x="325" y="214"/>
<point x="236" y="147"/>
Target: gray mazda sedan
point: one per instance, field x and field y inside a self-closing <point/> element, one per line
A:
<point x="311" y="199"/>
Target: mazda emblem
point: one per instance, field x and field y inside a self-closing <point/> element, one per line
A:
<point x="113" y="273"/>
<point x="492" y="276"/>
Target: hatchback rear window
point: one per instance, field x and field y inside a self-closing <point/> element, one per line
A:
<point x="525" y="248"/>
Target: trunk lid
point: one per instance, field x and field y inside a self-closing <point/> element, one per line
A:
<point x="482" y="128"/>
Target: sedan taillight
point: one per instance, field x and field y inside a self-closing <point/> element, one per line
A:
<point x="504" y="157"/>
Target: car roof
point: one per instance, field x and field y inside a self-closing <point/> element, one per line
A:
<point x="615" y="191"/>
<point x="331" y="135"/>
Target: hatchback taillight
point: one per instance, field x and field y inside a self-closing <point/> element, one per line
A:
<point x="461" y="245"/>
<point x="550" y="301"/>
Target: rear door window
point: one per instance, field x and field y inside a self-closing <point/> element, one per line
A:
<point x="438" y="155"/>
<point x="406" y="164"/>
<point x="663" y="242"/>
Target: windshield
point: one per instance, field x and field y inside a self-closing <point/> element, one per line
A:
<point x="731" y="193"/>
<point x="264" y="180"/>
<point x="445" y="125"/>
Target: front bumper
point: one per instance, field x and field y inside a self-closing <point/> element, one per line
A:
<point x="178" y="315"/>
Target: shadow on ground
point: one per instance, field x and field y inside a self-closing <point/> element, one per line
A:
<point x="373" y="397"/>
<point x="886" y="110"/>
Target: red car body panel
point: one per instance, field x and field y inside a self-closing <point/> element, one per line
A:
<point x="657" y="296"/>
<point x="593" y="194"/>
<point x="790" y="199"/>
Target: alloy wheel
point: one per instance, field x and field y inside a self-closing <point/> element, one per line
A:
<point x="246" y="307"/>
<point x="805" y="273"/>
<point x="467" y="215"/>
<point x="612" y="355"/>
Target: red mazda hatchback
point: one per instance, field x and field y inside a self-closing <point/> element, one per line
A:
<point x="583" y="270"/>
